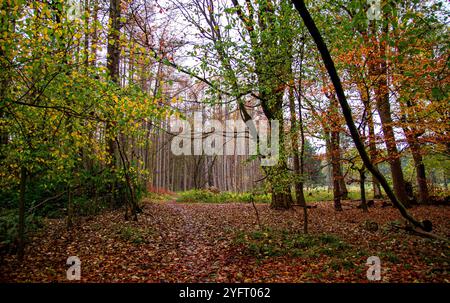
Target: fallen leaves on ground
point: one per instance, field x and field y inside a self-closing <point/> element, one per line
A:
<point x="177" y="242"/>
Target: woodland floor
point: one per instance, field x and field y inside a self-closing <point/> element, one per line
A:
<point x="175" y="242"/>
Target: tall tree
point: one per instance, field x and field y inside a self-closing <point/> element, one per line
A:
<point x="379" y="68"/>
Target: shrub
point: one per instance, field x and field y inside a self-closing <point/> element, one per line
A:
<point x="9" y="230"/>
<point x="207" y="196"/>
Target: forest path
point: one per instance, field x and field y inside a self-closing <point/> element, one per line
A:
<point x="197" y="256"/>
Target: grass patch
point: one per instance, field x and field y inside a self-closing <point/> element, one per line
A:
<point x="206" y="196"/>
<point x="134" y="235"/>
<point x="389" y="256"/>
<point x="159" y="196"/>
<point x="323" y="194"/>
<point x="272" y="243"/>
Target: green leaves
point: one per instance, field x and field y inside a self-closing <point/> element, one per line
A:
<point x="437" y="93"/>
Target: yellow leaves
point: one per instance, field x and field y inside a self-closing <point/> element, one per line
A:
<point x="47" y="12"/>
<point x="76" y="135"/>
<point x="44" y="33"/>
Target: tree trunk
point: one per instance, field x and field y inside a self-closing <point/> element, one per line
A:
<point x="69" y="208"/>
<point x="94" y="36"/>
<point x="342" y="185"/>
<point x="303" y="141"/>
<point x="420" y="173"/>
<point x="112" y="64"/>
<point x="362" y="180"/>
<point x="384" y="110"/>
<point x="113" y="48"/>
<point x="334" y="153"/>
<point x="389" y="138"/>
<point x="298" y="181"/>
<point x="414" y="146"/>
<point x="365" y="97"/>
<point x="21" y="225"/>
<point x="281" y="200"/>
<point x="373" y="155"/>
<point x="86" y="33"/>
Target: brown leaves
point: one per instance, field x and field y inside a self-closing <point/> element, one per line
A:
<point x="175" y="242"/>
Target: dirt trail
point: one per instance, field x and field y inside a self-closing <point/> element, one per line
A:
<point x="194" y="250"/>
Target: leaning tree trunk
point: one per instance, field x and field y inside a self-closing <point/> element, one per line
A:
<point x="347" y="112"/>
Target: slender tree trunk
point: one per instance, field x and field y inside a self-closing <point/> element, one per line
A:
<point x="365" y="97"/>
<point x="86" y="33"/>
<point x="334" y="149"/>
<point x="420" y="171"/>
<point x="299" y="194"/>
<point x="342" y="185"/>
<point x="362" y="180"/>
<point x="94" y="36"/>
<point x="302" y="148"/>
<point x="113" y="49"/>
<point x="21" y="225"/>
<point x="373" y="155"/>
<point x="336" y="170"/>
<point x="69" y="207"/>
<point x="411" y="137"/>
<point x="112" y="64"/>
<point x="132" y="204"/>
<point x="9" y="24"/>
